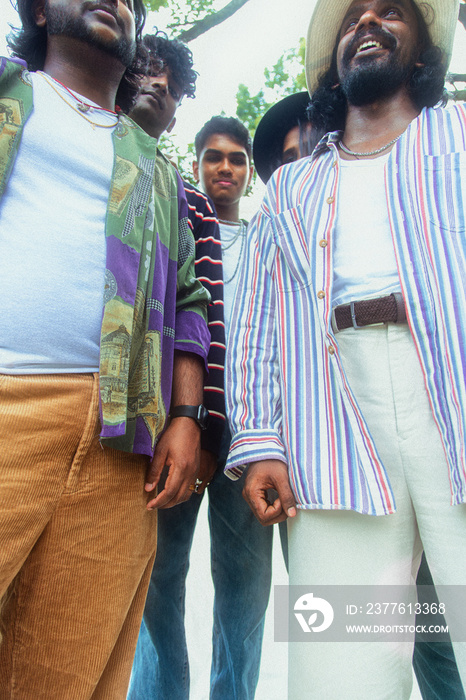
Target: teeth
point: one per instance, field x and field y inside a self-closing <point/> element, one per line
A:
<point x="369" y="45"/>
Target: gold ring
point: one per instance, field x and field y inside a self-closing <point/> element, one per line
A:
<point x="195" y="487"/>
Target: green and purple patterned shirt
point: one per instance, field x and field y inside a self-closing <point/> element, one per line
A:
<point x="153" y="304"/>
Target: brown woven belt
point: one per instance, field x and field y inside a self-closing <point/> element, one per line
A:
<point x="357" y="314"/>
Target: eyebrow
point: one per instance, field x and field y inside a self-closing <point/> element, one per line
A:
<point x="290" y="152"/>
<point x="214" y="151"/>
<point x="359" y="7"/>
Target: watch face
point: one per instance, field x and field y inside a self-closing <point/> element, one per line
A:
<point x="203" y="417"/>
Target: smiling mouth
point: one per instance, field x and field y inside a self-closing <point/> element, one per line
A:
<point x="366" y="45"/>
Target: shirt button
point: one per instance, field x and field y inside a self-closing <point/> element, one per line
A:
<point x="321" y="295"/>
<point x="330" y="200"/>
<point x="323" y="243"/>
<point x="331" y="350"/>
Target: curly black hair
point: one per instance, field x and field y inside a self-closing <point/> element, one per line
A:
<point x="426" y="86"/>
<point x="230" y="126"/>
<point x="176" y="56"/>
<point x="30" y="43"/>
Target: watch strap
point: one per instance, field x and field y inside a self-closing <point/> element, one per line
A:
<point x="198" y="413"/>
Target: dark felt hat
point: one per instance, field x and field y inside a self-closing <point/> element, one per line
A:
<point x="272" y="129"/>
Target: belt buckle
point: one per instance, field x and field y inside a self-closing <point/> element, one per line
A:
<point x="353" y="317"/>
<point x="333" y="321"/>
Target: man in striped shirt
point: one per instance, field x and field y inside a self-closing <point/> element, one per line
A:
<point x="345" y="369"/>
<point x="285" y="135"/>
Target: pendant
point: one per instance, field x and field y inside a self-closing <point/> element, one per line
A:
<point x="83" y="108"/>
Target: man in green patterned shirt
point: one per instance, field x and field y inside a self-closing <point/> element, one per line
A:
<point x="103" y="334"/>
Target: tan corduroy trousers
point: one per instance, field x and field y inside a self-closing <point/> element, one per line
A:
<point x="76" y="544"/>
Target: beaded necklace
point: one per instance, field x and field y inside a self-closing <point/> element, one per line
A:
<point x="82" y="106"/>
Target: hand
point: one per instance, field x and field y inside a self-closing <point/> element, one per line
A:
<point x="179" y="450"/>
<point x="206" y="471"/>
<point x="260" y="478"/>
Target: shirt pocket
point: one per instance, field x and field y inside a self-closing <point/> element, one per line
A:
<point x="293" y="265"/>
<point x="445" y="180"/>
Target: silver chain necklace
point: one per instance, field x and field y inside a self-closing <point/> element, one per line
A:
<point x="241" y="227"/>
<point x="240" y="232"/>
<point x="345" y="149"/>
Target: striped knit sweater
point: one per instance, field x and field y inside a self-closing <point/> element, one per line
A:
<point x="208" y="265"/>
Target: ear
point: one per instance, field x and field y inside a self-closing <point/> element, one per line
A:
<point x="251" y="171"/>
<point x="196" y="170"/>
<point x="171" y="125"/>
<point x="38" y="11"/>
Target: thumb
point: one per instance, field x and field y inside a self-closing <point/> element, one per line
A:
<point x="286" y="497"/>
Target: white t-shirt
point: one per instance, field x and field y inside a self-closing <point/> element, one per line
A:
<point x="52" y="239"/>
<point x="364" y="259"/>
<point x="233" y="238"/>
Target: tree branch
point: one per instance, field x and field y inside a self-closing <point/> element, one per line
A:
<point x="203" y="25"/>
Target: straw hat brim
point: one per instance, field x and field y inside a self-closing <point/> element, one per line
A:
<point x="441" y="17"/>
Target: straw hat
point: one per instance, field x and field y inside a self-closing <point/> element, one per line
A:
<point x="441" y="17"/>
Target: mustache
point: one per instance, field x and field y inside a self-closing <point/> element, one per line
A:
<point x="377" y="33"/>
<point x="107" y="6"/>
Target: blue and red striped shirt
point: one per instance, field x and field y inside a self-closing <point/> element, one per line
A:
<point x="287" y="395"/>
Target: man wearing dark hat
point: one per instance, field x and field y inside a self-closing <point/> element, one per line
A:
<point x="348" y="324"/>
<point x="284" y="134"/>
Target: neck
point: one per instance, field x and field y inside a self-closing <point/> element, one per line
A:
<point x="84" y="69"/>
<point x="146" y="125"/>
<point x="227" y="212"/>
<point x="372" y="126"/>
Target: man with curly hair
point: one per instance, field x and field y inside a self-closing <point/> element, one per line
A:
<point x="103" y="333"/>
<point x="240" y="547"/>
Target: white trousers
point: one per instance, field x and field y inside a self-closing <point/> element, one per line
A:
<point x="344" y="547"/>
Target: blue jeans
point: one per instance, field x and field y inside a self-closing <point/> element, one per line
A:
<point x="241" y="552"/>
<point x="434" y="662"/>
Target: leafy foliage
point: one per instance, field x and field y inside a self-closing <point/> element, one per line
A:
<point x="190" y="19"/>
<point x="183" y="13"/>
<point x="284" y="78"/>
<point x="456" y="86"/>
<point x="182" y="161"/>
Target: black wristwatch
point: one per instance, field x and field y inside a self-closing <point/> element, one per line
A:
<point x="198" y="413"/>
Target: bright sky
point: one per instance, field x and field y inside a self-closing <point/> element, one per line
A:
<point x="237" y="51"/>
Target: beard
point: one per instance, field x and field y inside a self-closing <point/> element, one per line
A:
<point x="373" y="79"/>
<point x="61" y="22"/>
